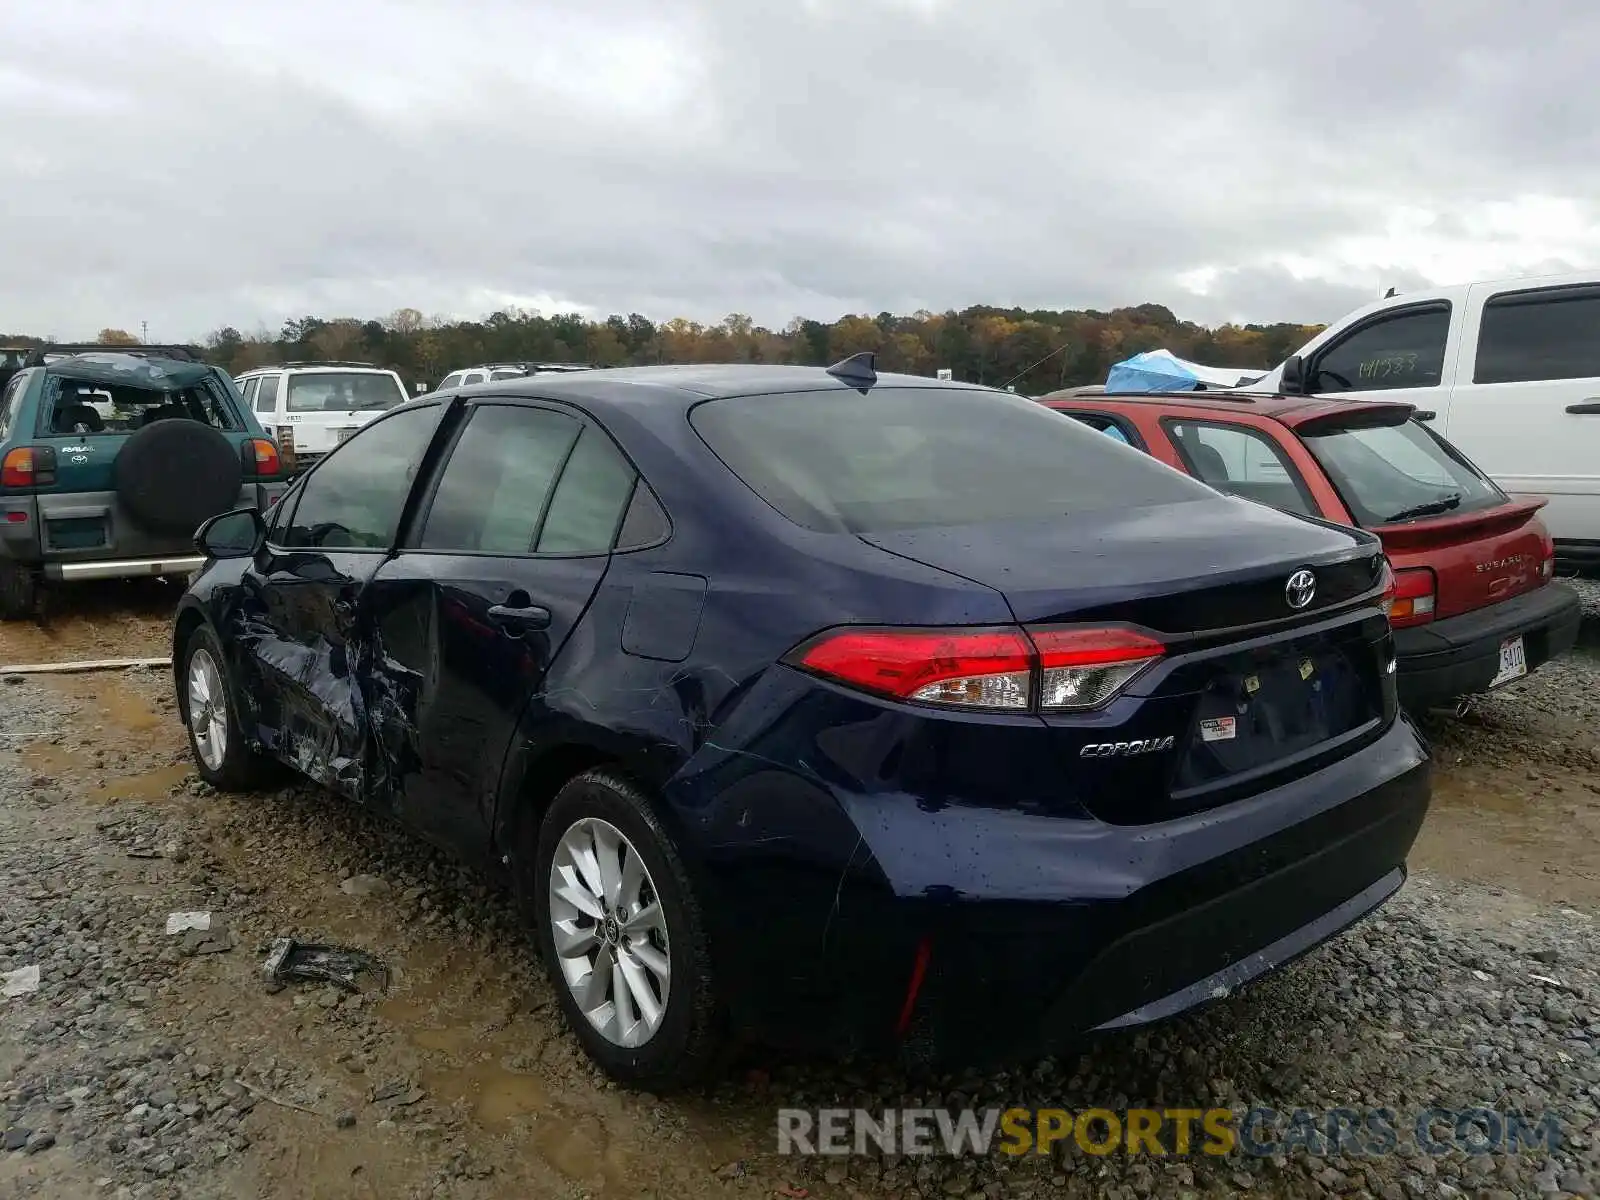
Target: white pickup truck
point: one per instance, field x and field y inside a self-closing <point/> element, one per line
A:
<point x="1508" y="370"/>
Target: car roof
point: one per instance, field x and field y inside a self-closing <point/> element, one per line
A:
<point x="679" y="388"/>
<point x="1291" y="410"/>
<point x="343" y="368"/>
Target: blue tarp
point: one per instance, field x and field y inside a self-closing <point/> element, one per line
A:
<point x="1153" y="371"/>
<point x="1164" y="371"/>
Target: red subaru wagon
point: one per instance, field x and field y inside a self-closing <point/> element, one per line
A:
<point x="1475" y="604"/>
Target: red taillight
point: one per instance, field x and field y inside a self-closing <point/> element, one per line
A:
<point x="16" y="470"/>
<point x="266" y="457"/>
<point x="1004" y="669"/>
<point x="976" y="668"/>
<point x="1413" y="597"/>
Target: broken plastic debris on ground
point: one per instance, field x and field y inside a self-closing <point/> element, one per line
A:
<point x="202" y="933"/>
<point x="20" y="982"/>
<point x="180" y="922"/>
<point x="290" y="961"/>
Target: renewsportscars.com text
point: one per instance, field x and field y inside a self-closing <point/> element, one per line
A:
<point x="1258" y="1131"/>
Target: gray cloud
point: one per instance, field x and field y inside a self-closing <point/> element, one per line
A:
<point x="202" y="166"/>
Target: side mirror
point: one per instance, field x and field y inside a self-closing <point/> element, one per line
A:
<point x="1292" y="379"/>
<point x="236" y="534"/>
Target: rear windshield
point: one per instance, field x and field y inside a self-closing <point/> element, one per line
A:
<point x="904" y="458"/>
<point x="335" y="391"/>
<point x="1400" y="473"/>
<point x="82" y="409"/>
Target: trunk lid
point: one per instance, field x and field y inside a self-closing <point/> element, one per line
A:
<point x="1208" y="564"/>
<point x="1252" y="691"/>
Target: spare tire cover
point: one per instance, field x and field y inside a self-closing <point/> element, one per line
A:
<point x="173" y="474"/>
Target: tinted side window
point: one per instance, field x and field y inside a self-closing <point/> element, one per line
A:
<point x="645" y="523"/>
<point x="1106" y="425"/>
<point x="587" y="507"/>
<point x="267" y="397"/>
<point x="354" y="497"/>
<point x="449" y="381"/>
<point x="1242" y="462"/>
<point x="1539" y="335"/>
<point x="1405" y="350"/>
<point x="277" y="517"/>
<point x="494" y="488"/>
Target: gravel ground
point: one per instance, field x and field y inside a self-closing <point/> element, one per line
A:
<point x="154" y="1066"/>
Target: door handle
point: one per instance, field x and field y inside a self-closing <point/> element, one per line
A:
<point x="1587" y="408"/>
<point x="514" y="619"/>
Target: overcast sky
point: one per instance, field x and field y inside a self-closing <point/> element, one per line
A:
<point x="199" y="164"/>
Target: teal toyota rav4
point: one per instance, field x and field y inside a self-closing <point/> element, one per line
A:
<point x="109" y="460"/>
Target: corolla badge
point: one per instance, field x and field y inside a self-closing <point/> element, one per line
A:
<point x="1300" y="589"/>
<point x="1126" y="749"/>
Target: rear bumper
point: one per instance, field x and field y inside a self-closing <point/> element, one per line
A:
<point x="1045" y="931"/>
<point x="1445" y="660"/>
<point x="33" y="531"/>
<point x="122" y="568"/>
<point x="1175" y="944"/>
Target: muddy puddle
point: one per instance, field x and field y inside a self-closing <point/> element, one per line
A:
<point x="112" y="618"/>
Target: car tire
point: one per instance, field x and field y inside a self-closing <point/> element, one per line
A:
<point x="19" y="591"/>
<point x="686" y="1045"/>
<point x="216" y="740"/>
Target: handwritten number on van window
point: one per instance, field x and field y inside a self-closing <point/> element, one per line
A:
<point x="1389" y="366"/>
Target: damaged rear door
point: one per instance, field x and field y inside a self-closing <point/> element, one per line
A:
<point x="303" y="618"/>
<point x="502" y="561"/>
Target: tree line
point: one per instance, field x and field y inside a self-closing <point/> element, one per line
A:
<point x="1034" y="350"/>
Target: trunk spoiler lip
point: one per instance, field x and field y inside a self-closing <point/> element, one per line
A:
<point x="1357" y="414"/>
<point x="1425" y="530"/>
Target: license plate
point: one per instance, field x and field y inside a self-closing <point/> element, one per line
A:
<point x="345" y="433"/>
<point x="1513" y="662"/>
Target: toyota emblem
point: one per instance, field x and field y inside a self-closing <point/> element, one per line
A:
<point x="1300" y="589"/>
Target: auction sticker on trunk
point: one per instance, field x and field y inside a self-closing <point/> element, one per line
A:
<point x="1218" y="729"/>
<point x="1513" y="662"/>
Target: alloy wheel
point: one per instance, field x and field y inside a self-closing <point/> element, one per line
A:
<point x="609" y="932"/>
<point x="208" y="709"/>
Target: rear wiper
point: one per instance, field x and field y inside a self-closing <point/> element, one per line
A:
<point x="1431" y="509"/>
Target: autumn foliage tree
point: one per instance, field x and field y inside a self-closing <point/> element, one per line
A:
<point x="1034" y="350"/>
<point x="115" y="337"/>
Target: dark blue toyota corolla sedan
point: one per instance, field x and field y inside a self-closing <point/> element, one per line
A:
<point x="836" y="710"/>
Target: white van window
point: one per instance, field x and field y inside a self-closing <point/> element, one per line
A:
<point x="267" y="397"/>
<point x="1403" y="350"/>
<point x="343" y="391"/>
<point x="1528" y="336"/>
